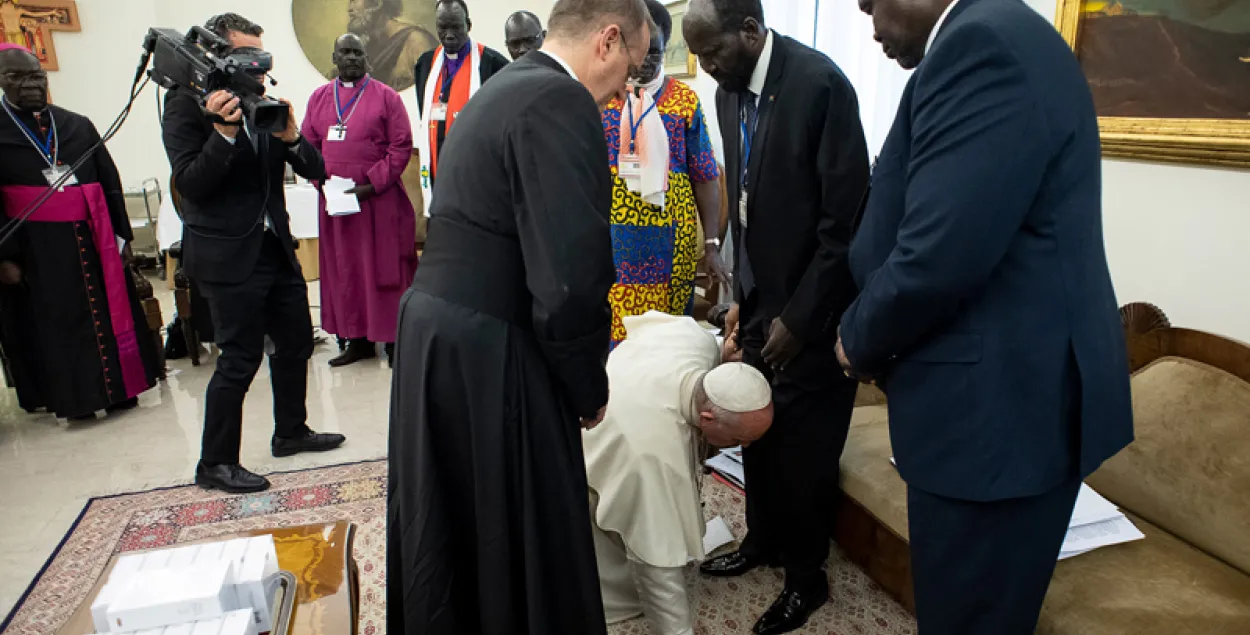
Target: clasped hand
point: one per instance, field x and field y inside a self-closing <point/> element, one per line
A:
<point x="224" y="104"/>
<point x="782" y="346"/>
<point x="847" y="368"/>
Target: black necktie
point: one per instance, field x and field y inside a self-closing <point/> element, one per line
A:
<point x="750" y="118"/>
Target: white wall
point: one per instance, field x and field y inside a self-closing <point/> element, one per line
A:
<point x="98" y="64"/>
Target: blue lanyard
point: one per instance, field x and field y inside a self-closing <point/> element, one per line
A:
<point x="747" y="134"/>
<point x="635" y="125"/>
<point x="50" y="148"/>
<point x="339" y="108"/>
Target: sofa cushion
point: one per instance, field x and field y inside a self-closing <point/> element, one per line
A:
<point x="1156" y="586"/>
<point x="867" y="475"/>
<point x="1188" y="472"/>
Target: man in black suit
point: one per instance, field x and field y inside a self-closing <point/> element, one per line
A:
<point x="238" y="248"/>
<point x="796" y="168"/>
<point x="987" y="311"/>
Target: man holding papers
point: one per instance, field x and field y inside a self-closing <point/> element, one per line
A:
<point x="367" y="245"/>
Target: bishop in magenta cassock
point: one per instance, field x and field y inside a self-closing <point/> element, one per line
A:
<point x="368" y="258"/>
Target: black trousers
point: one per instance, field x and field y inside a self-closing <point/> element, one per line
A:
<point x="792" y="471"/>
<point x="273" y="302"/>
<point x="982" y="568"/>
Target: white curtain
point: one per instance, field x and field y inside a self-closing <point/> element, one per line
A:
<point x="844" y="33"/>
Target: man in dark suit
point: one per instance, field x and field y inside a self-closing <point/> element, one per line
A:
<point x="987" y="311"/>
<point x="796" y="168"/>
<point x="238" y="248"/>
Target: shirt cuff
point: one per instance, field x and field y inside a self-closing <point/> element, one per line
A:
<point x="229" y="140"/>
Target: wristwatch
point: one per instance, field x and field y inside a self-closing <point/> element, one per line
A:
<point x="715" y="242"/>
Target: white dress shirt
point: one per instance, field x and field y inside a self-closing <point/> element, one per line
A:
<point x="560" y="60"/>
<point x="938" y="26"/>
<point x="760" y="75"/>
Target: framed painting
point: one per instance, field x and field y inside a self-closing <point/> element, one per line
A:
<point x="395" y="33"/>
<point x="678" y="61"/>
<point x="1170" y="78"/>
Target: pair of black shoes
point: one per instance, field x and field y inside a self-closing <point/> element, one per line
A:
<point x="791" y="610"/>
<point x="356" y="350"/>
<point x="233" y="478"/>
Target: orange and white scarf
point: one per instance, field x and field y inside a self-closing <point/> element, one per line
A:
<point x="466" y="83"/>
<point x="651" y="146"/>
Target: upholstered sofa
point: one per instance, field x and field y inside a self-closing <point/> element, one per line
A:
<point x="1185" y="482"/>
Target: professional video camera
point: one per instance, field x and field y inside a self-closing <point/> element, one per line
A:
<point x="204" y="63"/>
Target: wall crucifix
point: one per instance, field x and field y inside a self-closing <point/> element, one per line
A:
<point x="30" y="23"/>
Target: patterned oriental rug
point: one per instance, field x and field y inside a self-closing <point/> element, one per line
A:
<point x="357" y="492"/>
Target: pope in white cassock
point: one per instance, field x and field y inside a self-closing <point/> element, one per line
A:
<point x="643" y="461"/>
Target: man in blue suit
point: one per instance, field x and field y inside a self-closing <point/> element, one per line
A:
<point x="986" y="309"/>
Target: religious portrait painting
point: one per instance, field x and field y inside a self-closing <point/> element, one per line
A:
<point x="678" y="61"/>
<point x="30" y="23"/>
<point x="1170" y="78"/>
<point x="395" y="33"/>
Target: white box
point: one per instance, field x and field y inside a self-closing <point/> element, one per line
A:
<point x="156" y="599"/>
<point x="156" y="560"/>
<point x="238" y="623"/>
<point x="183" y="557"/>
<point x="207" y="627"/>
<point x="100" y="606"/>
<point x="210" y="552"/>
<point x="180" y="629"/>
<point x="127" y="565"/>
<point x="260" y="562"/>
<point x="234" y="550"/>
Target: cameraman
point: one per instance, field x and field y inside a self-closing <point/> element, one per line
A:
<point x="237" y="247"/>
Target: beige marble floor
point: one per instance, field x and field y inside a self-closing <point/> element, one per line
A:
<point x="49" y="469"/>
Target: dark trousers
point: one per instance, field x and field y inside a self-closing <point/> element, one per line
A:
<point x="982" y="568"/>
<point x="792" y="471"/>
<point x="273" y="302"/>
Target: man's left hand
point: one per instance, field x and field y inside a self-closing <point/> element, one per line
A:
<point x="363" y="192"/>
<point x="848" y="369"/>
<point x="782" y="345"/>
<point x="291" y="134"/>
<point x="716" y="268"/>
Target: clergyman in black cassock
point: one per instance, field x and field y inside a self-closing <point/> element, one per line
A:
<point x="501" y="349"/>
<point x="74" y="335"/>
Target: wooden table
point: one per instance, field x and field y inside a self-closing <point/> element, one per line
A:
<point x="320" y="556"/>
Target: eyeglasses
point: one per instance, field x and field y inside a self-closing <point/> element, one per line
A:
<point x="634" y="71"/>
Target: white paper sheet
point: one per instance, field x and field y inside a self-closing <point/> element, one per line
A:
<point x="1102" y="534"/>
<point x="728" y="467"/>
<point x="734" y="453"/>
<point x="338" y="201"/>
<point x="1091" y="507"/>
<point x="716" y="535"/>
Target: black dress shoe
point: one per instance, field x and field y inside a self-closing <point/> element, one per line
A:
<point x="730" y="565"/>
<point x="390" y="354"/>
<point x="310" y="442"/>
<point x="357" y="350"/>
<point x="231" y="477"/>
<point x="791" y="611"/>
<point x="129" y="404"/>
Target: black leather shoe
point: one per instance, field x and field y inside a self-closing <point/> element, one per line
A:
<point x="357" y="350"/>
<point x="129" y="404"/>
<point x="310" y="442"/>
<point x="791" y="611"/>
<point x="231" y="477"/>
<point x="730" y="565"/>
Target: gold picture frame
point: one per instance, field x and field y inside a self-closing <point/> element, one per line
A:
<point x="679" y="62"/>
<point x="1224" y="142"/>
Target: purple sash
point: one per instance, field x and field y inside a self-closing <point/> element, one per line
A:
<point x="87" y="203"/>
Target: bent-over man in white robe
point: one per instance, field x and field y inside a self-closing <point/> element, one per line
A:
<point x="643" y="462"/>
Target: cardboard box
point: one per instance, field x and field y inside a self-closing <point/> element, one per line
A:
<point x="259" y="563"/>
<point x="156" y="599"/>
<point x="238" y="623"/>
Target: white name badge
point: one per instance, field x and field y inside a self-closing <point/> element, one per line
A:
<point x="54" y="174"/>
<point x="629" y="168"/>
<point x="337" y="133"/>
<point x="742" y="210"/>
<point x="438" y="112"/>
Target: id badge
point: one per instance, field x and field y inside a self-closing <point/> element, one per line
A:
<point x="54" y="174"/>
<point x="438" y="112"/>
<point x="337" y="133"/>
<point x="629" y="168"/>
<point x="742" y="210"/>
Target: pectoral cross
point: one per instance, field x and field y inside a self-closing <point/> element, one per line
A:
<point x="425" y="178"/>
<point x="30" y="23"/>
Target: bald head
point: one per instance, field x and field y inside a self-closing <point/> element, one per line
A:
<point x="350" y="58"/>
<point x="24" y="82"/>
<point x="735" y="405"/>
<point x="524" y="33"/>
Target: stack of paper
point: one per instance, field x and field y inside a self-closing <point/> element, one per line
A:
<point x="338" y="201"/>
<point x="1096" y="523"/>
<point x="728" y="463"/>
